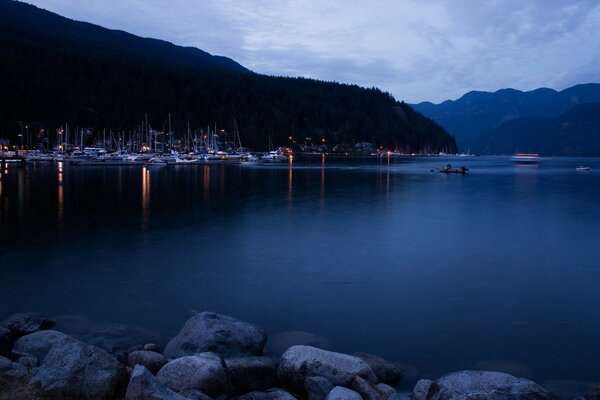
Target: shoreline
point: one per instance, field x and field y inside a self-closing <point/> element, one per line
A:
<point x="217" y="356"/>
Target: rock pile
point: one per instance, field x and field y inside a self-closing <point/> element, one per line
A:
<point x="218" y="357"/>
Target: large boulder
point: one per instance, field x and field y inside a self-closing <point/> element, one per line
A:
<point x="300" y="362"/>
<point x="39" y="343"/>
<point x="482" y="385"/>
<point x="5" y="341"/>
<point x="205" y="371"/>
<point x="144" y="386"/>
<point x="78" y="370"/>
<point x="25" y="324"/>
<point x="149" y="359"/>
<point x="5" y="364"/>
<point x="367" y="390"/>
<point x="385" y="371"/>
<point x="421" y="389"/>
<point x="252" y="374"/>
<point x="210" y="332"/>
<point x="342" y="393"/>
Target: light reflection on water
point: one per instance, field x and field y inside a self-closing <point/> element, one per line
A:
<point x="380" y="255"/>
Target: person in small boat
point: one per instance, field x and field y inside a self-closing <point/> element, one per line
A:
<point x="463" y="169"/>
<point x="448" y="167"/>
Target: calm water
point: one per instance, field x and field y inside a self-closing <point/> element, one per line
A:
<point x="438" y="272"/>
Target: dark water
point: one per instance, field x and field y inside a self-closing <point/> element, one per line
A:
<point x="438" y="272"/>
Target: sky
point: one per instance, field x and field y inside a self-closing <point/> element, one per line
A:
<point x="417" y="50"/>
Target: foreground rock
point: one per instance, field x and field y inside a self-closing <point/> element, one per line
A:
<point x="480" y="385"/>
<point x="217" y="333"/>
<point x="300" y="362"/>
<point x="342" y="393"/>
<point x="252" y="374"/>
<point x="317" y="387"/>
<point x="144" y="386"/>
<point x="39" y="343"/>
<point x="204" y="371"/>
<point x="385" y="371"/>
<point x="78" y="370"/>
<point x="25" y="324"/>
<point x="151" y="360"/>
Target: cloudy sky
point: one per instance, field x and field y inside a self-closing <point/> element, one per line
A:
<point x="418" y="50"/>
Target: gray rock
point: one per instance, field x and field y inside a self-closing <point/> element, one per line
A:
<point x="317" y="387"/>
<point x="28" y="361"/>
<point x="39" y="343"/>
<point x="385" y="390"/>
<point x="385" y="371"/>
<point x="399" y="396"/>
<point x="5" y="364"/>
<point x="252" y="374"/>
<point x="217" y="333"/>
<point x="300" y="362"/>
<point x="366" y="390"/>
<point x="342" y="393"/>
<point x="196" y="395"/>
<point x="5" y="341"/>
<point x="149" y="359"/>
<point x="274" y="394"/>
<point x="25" y="324"/>
<point x="77" y="370"/>
<point x="593" y="393"/>
<point x="152" y="347"/>
<point x="16" y="371"/>
<point x="204" y="371"/>
<point x="485" y="385"/>
<point x="144" y="386"/>
<point x="421" y="389"/>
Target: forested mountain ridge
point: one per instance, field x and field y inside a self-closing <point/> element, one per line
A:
<point x="56" y="71"/>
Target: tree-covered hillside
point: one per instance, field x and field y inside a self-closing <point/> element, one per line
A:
<point x="55" y="71"/>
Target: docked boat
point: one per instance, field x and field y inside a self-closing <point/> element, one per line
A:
<point x="526" y="158"/>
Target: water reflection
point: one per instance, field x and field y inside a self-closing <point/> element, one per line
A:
<point x="206" y="183"/>
<point x="145" y="195"/>
<point x="290" y="180"/>
<point x="322" y="179"/>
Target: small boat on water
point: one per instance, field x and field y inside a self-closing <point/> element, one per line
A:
<point x="447" y="169"/>
<point x="526" y="158"/>
<point x="582" y="168"/>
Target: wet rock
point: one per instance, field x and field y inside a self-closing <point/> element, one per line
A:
<point x="342" y="393"/>
<point x="275" y="394"/>
<point x="282" y="341"/>
<point x="484" y="385"/>
<point x="252" y="374"/>
<point x="17" y="371"/>
<point x="421" y="389"/>
<point x="300" y="362"/>
<point x="144" y="386"/>
<point x="204" y="371"/>
<point x="39" y="343"/>
<point x="149" y="359"/>
<point x="114" y="337"/>
<point x="5" y="341"/>
<point x="385" y="371"/>
<point x="399" y="396"/>
<point x="317" y="387"/>
<point x="217" y="333"/>
<point x="25" y="324"/>
<point x="77" y="370"/>
<point x="366" y="390"/>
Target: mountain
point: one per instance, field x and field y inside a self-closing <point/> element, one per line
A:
<point x="573" y="133"/>
<point x="471" y="118"/>
<point x="55" y="71"/>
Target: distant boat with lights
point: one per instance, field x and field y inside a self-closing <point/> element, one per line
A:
<point x="526" y="158"/>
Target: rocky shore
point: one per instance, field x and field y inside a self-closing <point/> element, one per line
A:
<point x="216" y="357"/>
